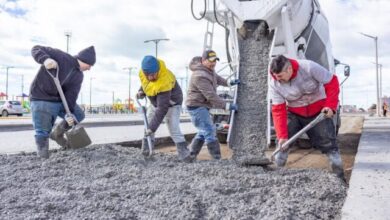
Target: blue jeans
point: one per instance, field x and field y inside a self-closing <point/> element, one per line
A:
<point x="44" y="115"/>
<point x="201" y="119"/>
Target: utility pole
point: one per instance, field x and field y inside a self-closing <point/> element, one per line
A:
<point x="378" y="101"/>
<point x="22" y="87"/>
<point x="129" y="69"/>
<point x="156" y="41"/>
<point x="6" y="80"/>
<point x="113" y="98"/>
<point x="186" y="77"/>
<point x="68" y="35"/>
<point x="90" y="94"/>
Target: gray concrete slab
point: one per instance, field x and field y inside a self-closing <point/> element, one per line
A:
<point x="19" y="141"/>
<point x="369" y="191"/>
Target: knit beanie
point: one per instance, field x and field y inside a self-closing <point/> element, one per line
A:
<point x="150" y="65"/>
<point x="87" y="55"/>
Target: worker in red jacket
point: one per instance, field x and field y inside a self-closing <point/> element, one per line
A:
<point x="300" y="90"/>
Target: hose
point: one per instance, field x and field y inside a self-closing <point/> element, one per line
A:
<point x="204" y="11"/>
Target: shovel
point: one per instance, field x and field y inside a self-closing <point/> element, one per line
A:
<point x="77" y="136"/>
<point x="146" y="123"/>
<point x="286" y="144"/>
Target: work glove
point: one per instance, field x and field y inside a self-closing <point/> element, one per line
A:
<point x="148" y="132"/>
<point x="49" y="63"/>
<point x="234" y="82"/>
<point x="141" y="95"/>
<point x="70" y="119"/>
<point x="328" y="112"/>
<point x="280" y="143"/>
<point x="231" y="107"/>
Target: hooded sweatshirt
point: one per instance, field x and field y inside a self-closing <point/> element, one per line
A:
<point x="310" y="89"/>
<point x="202" y="89"/>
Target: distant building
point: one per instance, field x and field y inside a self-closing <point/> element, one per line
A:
<point x="349" y="109"/>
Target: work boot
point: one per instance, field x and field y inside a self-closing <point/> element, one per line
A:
<point x="182" y="152"/>
<point x="214" y="150"/>
<point x="336" y="163"/>
<point x="281" y="158"/>
<point x="145" y="146"/>
<point x="195" y="147"/>
<point x="58" y="134"/>
<point x="42" y="146"/>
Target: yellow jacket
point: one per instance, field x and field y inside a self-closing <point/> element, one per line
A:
<point x="165" y="81"/>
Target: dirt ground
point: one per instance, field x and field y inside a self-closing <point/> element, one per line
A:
<point x="306" y="157"/>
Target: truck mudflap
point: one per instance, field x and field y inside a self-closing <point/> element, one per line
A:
<point x="248" y="138"/>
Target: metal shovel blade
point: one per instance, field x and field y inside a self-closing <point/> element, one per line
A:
<point x="78" y="137"/>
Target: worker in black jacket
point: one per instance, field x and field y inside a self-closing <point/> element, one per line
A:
<point x="46" y="103"/>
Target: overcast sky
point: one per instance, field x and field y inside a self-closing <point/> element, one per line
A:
<point x="119" y="28"/>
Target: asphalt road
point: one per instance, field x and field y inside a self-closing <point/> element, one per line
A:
<point x="17" y="135"/>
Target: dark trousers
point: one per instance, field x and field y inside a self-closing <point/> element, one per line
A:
<point x="322" y="136"/>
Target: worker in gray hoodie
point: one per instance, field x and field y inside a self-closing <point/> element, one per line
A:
<point x="201" y="97"/>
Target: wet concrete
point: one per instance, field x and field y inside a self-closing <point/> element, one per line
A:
<point x="249" y="133"/>
<point x="113" y="182"/>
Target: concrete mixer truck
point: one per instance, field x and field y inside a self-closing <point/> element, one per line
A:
<point x="257" y="30"/>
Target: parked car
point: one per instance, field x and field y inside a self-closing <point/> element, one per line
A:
<point x="10" y="108"/>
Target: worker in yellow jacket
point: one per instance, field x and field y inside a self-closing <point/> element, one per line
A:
<point x="160" y="86"/>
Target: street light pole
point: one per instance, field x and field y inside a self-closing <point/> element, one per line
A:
<point x="68" y="34"/>
<point x="378" y="101"/>
<point x="156" y="41"/>
<point x="129" y="69"/>
<point x="380" y="80"/>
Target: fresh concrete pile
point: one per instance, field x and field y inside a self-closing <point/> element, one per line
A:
<point x="248" y="137"/>
<point x="113" y="182"/>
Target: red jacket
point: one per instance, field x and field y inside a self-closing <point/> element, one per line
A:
<point x="279" y="111"/>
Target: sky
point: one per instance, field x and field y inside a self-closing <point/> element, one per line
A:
<point x="119" y="28"/>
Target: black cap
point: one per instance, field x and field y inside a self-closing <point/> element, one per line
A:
<point x="87" y="55"/>
<point x="210" y="55"/>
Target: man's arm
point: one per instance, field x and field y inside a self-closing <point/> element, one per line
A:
<point x="206" y="88"/>
<point x="332" y="90"/>
<point x="161" y="110"/>
<point x="72" y="91"/>
<point x="41" y="53"/>
<point x="279" y="113"/>
<point x="331" y="85"/>
<point x="221" y="81"/>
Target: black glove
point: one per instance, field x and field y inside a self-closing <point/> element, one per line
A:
<point x="141" y="95"/>
<point x="234" y="82"/>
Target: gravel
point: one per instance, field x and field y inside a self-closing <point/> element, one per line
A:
<point x="114" y="182"/>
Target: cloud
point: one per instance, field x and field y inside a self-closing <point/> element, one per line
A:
<point x="119" y="28"/>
